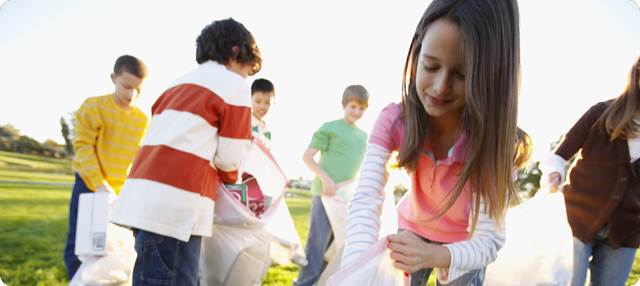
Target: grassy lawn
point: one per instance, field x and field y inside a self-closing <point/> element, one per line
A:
<point x="25" y="176"/>
<point x="24" y="162"/>
<point x="33" y="224"/>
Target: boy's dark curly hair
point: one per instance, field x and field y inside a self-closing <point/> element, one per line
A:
<point x="216" y="42"/>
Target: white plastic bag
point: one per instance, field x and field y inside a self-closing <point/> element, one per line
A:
<point x="539" y="246"/>
<point x="373" y="267"/>
<point x="234" y="256"/>
<point x="389" y="225"/>
<point x="116" y="267"/>
<point x="337" y="211"/>
<point x="243" y="245"/>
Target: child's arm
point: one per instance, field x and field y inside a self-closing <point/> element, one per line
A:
<point x="411" y="253"/>
<point x="234" y="141"/>
<point x="88" y="125"/>
<point x="365" y="208"/>
<point x="451" y="260"/>
<point x="328" y="184"/>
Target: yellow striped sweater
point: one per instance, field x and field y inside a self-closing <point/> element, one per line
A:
<point x="107" y="140"/>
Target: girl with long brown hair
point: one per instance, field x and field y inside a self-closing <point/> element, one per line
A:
<point x="602" y="191"/>
<point x="455" y="133"/>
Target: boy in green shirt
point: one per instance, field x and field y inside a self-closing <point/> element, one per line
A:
<point x="342" y="146"/>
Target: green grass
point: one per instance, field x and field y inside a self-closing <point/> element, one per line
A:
<point x="33" y="224"/>
<point x="23" y="162"/>
<point x="23" y="176"/>
<point x="299" y="209"/>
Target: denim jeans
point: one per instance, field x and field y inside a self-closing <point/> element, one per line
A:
<point x="472" y="278"/>
<point x="164" y="260"/>
<point x="317" y="243"/>
<point x="70" y="259"/>
<point x="608" y="267"/>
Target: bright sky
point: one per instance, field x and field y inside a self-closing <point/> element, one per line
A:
<point x="54" y="54"/>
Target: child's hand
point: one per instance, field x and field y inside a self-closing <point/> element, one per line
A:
<point x="554" y="181"/>
<point x="328" y="187"/>
<point x="105" y="189"/>
<point x="411" y="253"/>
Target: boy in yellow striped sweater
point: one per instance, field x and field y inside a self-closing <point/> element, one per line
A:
<point x="109" y="131"/>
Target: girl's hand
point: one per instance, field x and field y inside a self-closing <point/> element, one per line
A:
<point x="411" y="253"/>
<point x="554" y="181"/>
<point x="328" y="186"/>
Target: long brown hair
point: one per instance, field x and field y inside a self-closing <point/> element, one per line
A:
<point x="491" y="48"/>
<point x="617" y="119"/>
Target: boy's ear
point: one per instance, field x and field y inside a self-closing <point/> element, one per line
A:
<point x="236" y="51"/>
<point x="113" y="78"/>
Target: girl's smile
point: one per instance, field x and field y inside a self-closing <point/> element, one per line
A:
<point x="438" y="101"/>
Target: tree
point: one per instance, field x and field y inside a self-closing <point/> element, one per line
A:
<point x="9" y="137"/>
<point x="53" y="148"/>
<point x="10" y="131"/>
<point x="66" y="135"/>
<point x="29" y="145"/>
<point x="399" y="190"/>
<point x="529" y="179"/>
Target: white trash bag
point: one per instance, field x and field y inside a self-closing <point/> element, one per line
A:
<point x="373" y="267"/>
<point x="114" y="268"/>
<point x="337" y="210"/>
<point x="389" y="225"/>
<point x="539" y="246"/>
<point x="244" y="245"/>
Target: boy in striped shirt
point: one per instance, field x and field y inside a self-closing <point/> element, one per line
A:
<point x="108" y="129"/>
<point x="200" y="131"/>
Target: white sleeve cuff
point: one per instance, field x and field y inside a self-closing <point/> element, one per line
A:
<point x="554" y="163"/>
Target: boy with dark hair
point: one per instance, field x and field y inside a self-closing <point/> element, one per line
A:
<point x="199" y="133"/>
<point x="262" y="98"/>
<point x="108" y="130"/>
<point x="342" y="146"/>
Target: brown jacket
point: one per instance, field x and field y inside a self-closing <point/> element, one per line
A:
<point x="601" y="187"/>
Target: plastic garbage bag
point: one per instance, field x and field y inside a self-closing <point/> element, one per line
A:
<point x="114" y="268"/>
<point x="539" y="246"/>
<point x="244" y="245"/>
<point x="337" y="211"/>
<point x="373" y="267"/>
<point x="338" y="219"/>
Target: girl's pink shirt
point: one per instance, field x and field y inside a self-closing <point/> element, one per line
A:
<point x="431" y="183"/>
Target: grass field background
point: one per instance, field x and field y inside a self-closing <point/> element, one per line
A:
<point x="34" y="223"/>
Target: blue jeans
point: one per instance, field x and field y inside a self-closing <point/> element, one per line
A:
<point x="164" y="260"/>
<point x="472" y="278"/>
<point x="70" y="259"/>
<point x="317" y="242"/>
<point x="608" y="267"/>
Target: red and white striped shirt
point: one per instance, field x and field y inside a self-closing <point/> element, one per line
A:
<point x="200" y="131"/>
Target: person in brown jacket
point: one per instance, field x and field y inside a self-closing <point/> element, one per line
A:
<point x="602" y="191"/>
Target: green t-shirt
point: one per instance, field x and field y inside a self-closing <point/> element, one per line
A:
<point x="342" y="147"/>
